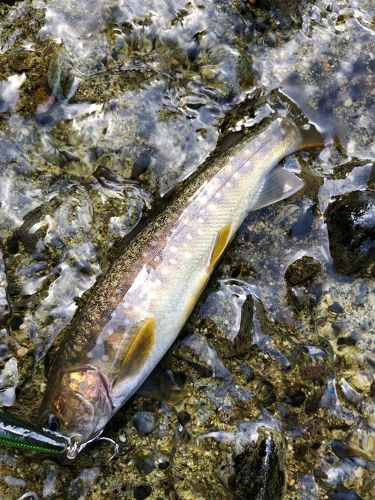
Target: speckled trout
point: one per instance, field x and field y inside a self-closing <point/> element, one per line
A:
<point x="136" y="311"/>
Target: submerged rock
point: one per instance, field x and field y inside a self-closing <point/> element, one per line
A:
<point x="351" y="228"/>
<point x="302" y="270"/>
<point x="259" y="470"/>
<point x="9" y="378"/>
<point x="144" y="422"/>
<point x="142" y="491"/>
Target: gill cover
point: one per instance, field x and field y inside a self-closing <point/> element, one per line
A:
<point x="79" y="406"/>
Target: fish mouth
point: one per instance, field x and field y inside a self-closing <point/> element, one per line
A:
<point x="75" y="447"/>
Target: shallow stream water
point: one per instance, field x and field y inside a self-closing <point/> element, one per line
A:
<point x="105" y="107"/>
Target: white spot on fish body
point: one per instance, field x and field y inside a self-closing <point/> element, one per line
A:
<point x="212" y="207"/>
<point x="189" y="236"/>
<point x="201" y="220"/>
<point x="136" y="309"/>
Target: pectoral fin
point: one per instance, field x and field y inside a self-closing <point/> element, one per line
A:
<point x="221" y="241"/>
<point x="278" y="185"/>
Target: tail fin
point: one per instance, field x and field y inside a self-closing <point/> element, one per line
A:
<point x="311" y="137"/>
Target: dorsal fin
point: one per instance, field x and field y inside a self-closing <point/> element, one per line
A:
<point x="221" y="241"/>
<point x="139" y="349"/>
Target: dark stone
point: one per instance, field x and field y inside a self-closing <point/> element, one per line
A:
<point x="313" y="402"/>
<point x="259" y="470"/>
<point x="265" y="392"/>
<point x="339" y="449"/>
<point x="302" y="270"/>
<point x="164" y="465"/>
<point x="336" y="308"/>
<point x="296" y="397"/>
<point x="183" y="417"/>
<point x="299" y="298"/>
<point x="16" y="322"/>
<point x="243" y="341"/>
<point x="344" y="495"/>
<point x="13" y="245"/>
<point x="145" y="464"/>
<point x="351" y="229"/>
<point x="142" y="491"/>
<point x="144" y="422"/>
<point x="372" y="390"/>
<point x="4" y="351"/>
<point x="141" y="164"/>
<point x="348" y="340"/>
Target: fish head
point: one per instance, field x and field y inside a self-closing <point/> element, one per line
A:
<point x="77" y="405"/>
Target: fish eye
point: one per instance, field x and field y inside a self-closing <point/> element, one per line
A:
<point x="52" y="423"/>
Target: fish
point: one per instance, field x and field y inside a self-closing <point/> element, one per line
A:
<point x="16" y="433"/>
<point x="138" y="308"/>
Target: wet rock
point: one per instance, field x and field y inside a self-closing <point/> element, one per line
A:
<point x="345" y="495"/>
<point x="347" y="340"/>
<point x="184" y="417"/>
<point x="315" y="364"/>
<point x="4" y="306"/>
<point x="9" y="378"/>
<point x="265" y="391"/>
<point x="145" y="464"/>
<point x="164" y="384"/>
<point x="197" y="348"/>
<point x="351" y="228"/>
<point x="82" y="484"/>
<point x="33" y="65"/>
<point x="295" y="396"/>
<point x="141" y="164"/>
<point x="142" y="491"/>
<point x="243" y="340"/>
<point x="228" y="315"/>
<point x="300" y="298"/>
<point x="308" y="488"/>
<point x="4" y="351"/>
<point x="144" y="422"/>
<point x="362" y="442"/>
<point x="22" y="351"/>
<point x="302" y="270"/>
<point x="258" y="470"/>
<point x="336" y="308"/>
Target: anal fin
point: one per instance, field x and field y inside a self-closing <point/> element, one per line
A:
<point x="278" y="185"/>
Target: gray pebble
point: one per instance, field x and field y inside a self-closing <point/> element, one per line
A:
<point x="144" y="422"/>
